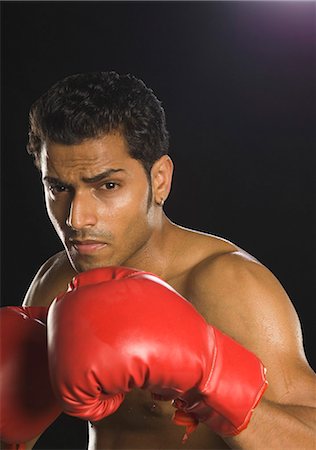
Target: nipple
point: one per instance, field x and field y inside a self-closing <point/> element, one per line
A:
<point x="153" y="407"/>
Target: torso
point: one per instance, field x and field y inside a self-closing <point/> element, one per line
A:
<point x="141" y="423"/>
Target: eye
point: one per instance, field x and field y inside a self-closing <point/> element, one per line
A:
<point x="110" y="185"/>
<point x="57" y="188"/>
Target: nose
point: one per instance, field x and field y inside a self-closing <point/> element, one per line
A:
<point x="82" y="212"/>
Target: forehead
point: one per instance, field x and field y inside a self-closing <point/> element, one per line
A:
<point x="87" y="158"/>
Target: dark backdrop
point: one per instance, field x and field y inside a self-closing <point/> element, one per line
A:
<point x="237" y="81"/>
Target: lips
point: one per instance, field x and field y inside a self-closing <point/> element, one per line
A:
<point x="88" y="247"/>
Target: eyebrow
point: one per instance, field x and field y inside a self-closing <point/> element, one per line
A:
<point x="99" y="177"/>
<point x="106" y="174"/>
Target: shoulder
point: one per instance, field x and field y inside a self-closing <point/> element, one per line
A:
<point x="221" y="277"/>
<point x="241" y="297"/>
<point x="234" y="271"/>
<point x="51" y="279"/>
<point x="238" y="293"/>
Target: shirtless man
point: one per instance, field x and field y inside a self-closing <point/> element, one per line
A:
<point x="100" y="143"/>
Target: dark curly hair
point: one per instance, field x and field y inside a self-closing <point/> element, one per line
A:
<point x="89" y="105"/>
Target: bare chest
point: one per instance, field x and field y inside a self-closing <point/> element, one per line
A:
<point x="142" y="423"/>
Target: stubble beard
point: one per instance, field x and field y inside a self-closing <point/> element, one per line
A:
<point x="83" y="267"/>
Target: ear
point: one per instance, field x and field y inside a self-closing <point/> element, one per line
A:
<point x="161" y="178"/>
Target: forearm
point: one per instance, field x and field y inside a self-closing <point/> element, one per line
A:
<point x="276" y="426"/>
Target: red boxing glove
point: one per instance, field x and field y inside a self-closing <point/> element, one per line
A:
<point x="118" y="328"/>
<point x="27" y="402"/>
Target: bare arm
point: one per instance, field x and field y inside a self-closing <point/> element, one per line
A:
<point x="243" y="299"/>
<point x="278" y="425"/>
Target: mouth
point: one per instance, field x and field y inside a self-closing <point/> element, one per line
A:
<point x="87" y="247"/>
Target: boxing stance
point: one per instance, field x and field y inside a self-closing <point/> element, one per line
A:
<point x="101" y="145"/>
<point x="117" y="329"/>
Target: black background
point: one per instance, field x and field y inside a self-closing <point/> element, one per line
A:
<point x="237" y="81"/>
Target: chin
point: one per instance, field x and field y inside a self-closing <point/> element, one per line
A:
<point x="84" y="266"/>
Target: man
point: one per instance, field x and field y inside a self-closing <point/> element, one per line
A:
<point x="101" y="145"/>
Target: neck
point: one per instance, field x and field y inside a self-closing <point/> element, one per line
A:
<point x="157" y="253"/>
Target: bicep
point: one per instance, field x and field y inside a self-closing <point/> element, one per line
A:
<point x="246" y="301"/>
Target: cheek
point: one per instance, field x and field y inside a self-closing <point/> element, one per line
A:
<point x="55" y="213"/>
<point x="50" y="208"/>
<point x="126" y="207"/>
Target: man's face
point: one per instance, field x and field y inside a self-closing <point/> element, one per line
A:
<point x="97" y="199"/>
